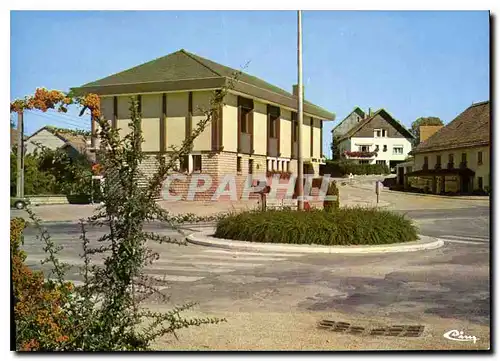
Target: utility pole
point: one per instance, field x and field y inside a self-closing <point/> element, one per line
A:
<point x="300" y="111"/>
<point x="20" y="156"/>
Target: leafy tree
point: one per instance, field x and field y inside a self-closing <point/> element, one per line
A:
<point x="52" y="172"/>
<point x="36" y="180"/>
<point x="72" y="173"/>
<point x="335" y="148"/>
<point x="415" y="126"/>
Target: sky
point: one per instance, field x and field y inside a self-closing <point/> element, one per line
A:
<point x="412" y="64"/>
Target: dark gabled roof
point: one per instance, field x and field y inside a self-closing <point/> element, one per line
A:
<point x="69" y="137"/>
<point x="356" y="110"/>
<point x="183" y="70"/>
<point x="387" y="116"/>
<point x="470" y="128"/>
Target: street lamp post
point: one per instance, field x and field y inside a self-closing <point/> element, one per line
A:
<point x="300" y="110"/>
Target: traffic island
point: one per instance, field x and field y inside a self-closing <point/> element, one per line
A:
<point x="206" y="238"/>
<point x="337" y="230"/>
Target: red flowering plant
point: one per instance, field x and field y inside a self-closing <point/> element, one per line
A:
<point x="359" y="154"/>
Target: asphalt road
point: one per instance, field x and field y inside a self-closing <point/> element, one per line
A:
<point x="449" y="282"/>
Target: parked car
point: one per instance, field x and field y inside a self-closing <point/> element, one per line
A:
<point x="19" y="203"/>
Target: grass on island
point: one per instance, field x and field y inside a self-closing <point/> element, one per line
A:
<point x="342" y="227"/>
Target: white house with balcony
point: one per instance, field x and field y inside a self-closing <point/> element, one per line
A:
<point x="378" y="138"/>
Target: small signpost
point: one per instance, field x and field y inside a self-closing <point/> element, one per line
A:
<point x="281" y="203"/>
<point x="377" y="189"/>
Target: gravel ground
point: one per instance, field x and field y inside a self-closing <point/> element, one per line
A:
<point x="259" y="331"/>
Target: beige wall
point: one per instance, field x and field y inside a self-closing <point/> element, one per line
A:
<point x="123" y="114"/>
<point x="201" y="101"/>
<point x="151" y="112"/>
<point x="175" y="124"/>
<point x="107" y="108"/>
<point x="317" y="139"/>
<point x="286" y="133"/>
<point x="482" y="170"/>
<point x="177" y="111"/>
<point x="106" y="111"/>
<point x="260" y="128"/>
<point x="230" y="123"/>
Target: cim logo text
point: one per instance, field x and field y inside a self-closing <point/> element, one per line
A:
<point x="456" y="335"/>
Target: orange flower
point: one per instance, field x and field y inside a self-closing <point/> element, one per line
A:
<point x="62" y="338"/>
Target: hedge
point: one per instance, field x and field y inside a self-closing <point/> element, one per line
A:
<point x="344" y="226"/>
<point x="339" y="168"/>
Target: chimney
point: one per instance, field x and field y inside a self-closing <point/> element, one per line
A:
<point x="369" y="112"/>
<point x="426" y="131"/>
<point x="296" y="90"/>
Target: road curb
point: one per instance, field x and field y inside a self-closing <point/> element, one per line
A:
<point x="187" y="226"/>
<point x="204" y="238"/>
<point x="464" y="198"/>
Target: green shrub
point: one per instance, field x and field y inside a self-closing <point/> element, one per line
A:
<point x="339" y="168"/>
<point x="345" y="226"/>
<point x="78" y="199"/>
<point x="329" y="205"/>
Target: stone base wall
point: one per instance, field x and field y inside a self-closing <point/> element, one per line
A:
<point x="215" y="168"/>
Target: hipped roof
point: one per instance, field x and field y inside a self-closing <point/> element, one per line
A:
<point x="185" y="71"/>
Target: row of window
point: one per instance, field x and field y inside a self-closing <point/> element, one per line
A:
<point x="380" y="133"/>
<point x="239" y="160"/>
<point x="451" y="160"/>
<point x="272" y="164"/>
<point x="274" y="118"/>
<point x="184" y="163"/>
<point x="397" y="150"/>
<point x="278" y="165"/>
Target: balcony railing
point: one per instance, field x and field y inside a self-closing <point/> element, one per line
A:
<point x="245" y="140"/>
<point x="360" y="154"/>
<point x="272" y="149"/>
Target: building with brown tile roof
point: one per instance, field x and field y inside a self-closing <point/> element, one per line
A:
<point x="457" y="157"/>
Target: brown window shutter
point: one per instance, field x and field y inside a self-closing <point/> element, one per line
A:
<point x="278" y="131"/>
<point x="139" y="109"/>
<point x="189" y="119"/>
<point x="268" y="132"/>
<point x="163" y="120"/>
<point x="294" y="119"/>
<point x="250" y="126"/>
<point x="215" y="120"/>
<point x="114" y="121"/>
<point x="239" y="128"/>
<point x="312" y="136"/>
<point x="321" y="139"/>
<point x="221" y="125"/>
